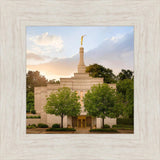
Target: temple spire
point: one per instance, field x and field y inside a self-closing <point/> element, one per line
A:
<point x="81" y="65"/>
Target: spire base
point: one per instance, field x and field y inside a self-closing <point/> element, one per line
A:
<point x="81" y="69"/>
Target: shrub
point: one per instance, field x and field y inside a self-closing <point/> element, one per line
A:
<point x="34" y="125"/>
<point x="128" y="121"/>
<point x="60" y="129"/>
<point x="106" y="126"/>
<point x="27" y="110"/>
<point x="36" y="117"/>
<point x="31" y="126"/>
<point x="56" y="125"/>
<point x="41" y="125"/>
<point x="104" y="130"/>
<point x="33" y="111"/>
<point x="122" y="126"/>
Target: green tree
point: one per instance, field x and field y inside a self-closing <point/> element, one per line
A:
<point x="125" y="74"/>
<point x="100" y="101"/>
<point x="63" y="102"/>
<point x="97" y="70"/>
<point x="34" y="79"/>
<point x="30" y="101"/>
<point x="53" y="81"/>
<point x="125" y="89"/>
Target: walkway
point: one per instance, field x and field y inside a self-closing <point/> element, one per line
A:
<point x="82" y="130"/>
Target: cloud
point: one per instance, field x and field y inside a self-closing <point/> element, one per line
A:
<point x="35" y="59"/>
<point x="47" y="40"/>
<point x="34" y="56"/>
<point x="112" y="54"/>
<point x="65" y="67"/>
<point x="117" y="38"/>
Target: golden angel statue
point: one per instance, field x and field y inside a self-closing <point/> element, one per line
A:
<point x="82" y="39"/>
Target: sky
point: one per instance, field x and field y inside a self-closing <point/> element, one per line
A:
<point x="54" y="50"/>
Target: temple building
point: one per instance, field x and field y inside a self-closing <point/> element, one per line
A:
<point x="81" y="82"/>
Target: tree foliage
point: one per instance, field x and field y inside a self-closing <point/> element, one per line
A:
<point x="96" y="70"/>
<point x="30" y="101"/>
<point x="63" y="102"/>
<point x="34" y="79"/>
<point x="125" y="89"/>
<point x="53" y="81"/>
<point x="100" y="101"/>
<point x="125" y="74"/>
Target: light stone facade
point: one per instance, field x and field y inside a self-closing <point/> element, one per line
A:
<point x="81" y="82"/>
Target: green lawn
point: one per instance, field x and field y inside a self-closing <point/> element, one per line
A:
<point x="123" y="126"/>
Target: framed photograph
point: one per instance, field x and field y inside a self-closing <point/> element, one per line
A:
<point x="80" y="79"/>
<point x="61" y="42"/>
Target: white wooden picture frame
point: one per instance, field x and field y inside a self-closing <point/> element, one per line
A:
<point x="15" y="144"/>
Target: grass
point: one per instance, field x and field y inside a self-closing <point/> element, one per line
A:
<point x="104" y="130"/>
<point x="60" y="129"/>
<point x="123" y="126"/>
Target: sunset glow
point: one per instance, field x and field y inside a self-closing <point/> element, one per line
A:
<point x="54" y="51"/>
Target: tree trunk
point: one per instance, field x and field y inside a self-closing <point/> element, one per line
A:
<point x="102" y="122"/>
<point x="62" y="121"/>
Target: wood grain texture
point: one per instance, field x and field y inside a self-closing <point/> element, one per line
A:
<point x="15" y="15"/>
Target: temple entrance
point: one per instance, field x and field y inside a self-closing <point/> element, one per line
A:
<point x="81" y="121"/>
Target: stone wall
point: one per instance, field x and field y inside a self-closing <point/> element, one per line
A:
<point x="30" y="121"/>
<point x="47" y="119"/>
<point x="113" y="85"/>
<point x="52" y="119"/>
<point x="69" y="121"/>
<point x="110" y="121"/>
<point x="107" y="120"/>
